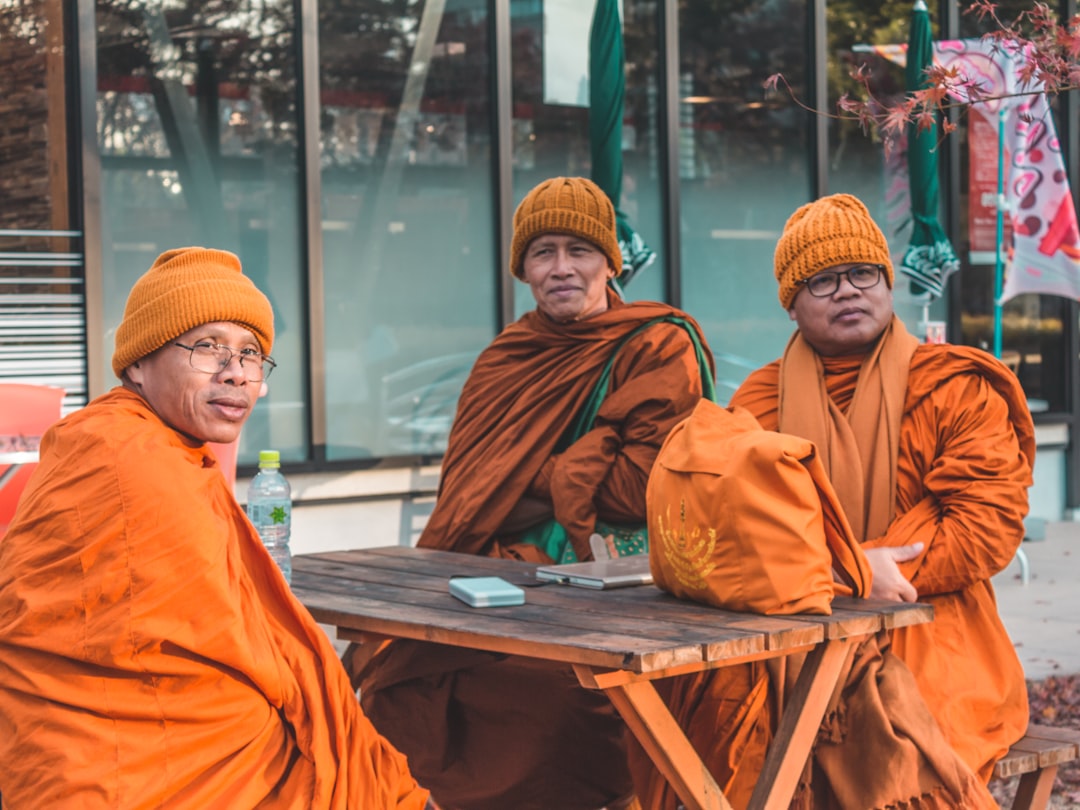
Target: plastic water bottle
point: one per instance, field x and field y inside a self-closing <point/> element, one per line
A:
<point x="269" y="506"/>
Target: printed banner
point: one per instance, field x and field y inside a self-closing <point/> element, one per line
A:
<point x="1043" y="254"/>
<point x="983" y="187"/>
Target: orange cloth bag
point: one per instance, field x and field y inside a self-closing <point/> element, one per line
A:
<point x="745" y="519"/>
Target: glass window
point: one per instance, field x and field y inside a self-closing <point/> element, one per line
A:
<point x="744" y="168"/>
<point x="41" y="290"/>
<point x="862" y="34"/>
<point x="408" y="219"/>
<point x="197" y="131"/>
<point x="550" y="53"/>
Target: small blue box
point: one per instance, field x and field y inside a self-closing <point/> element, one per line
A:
<point x="486" y="591"/>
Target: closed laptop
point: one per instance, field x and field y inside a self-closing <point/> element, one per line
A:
<point x="618" y="572"/>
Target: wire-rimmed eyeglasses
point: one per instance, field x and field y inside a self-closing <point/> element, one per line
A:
<point x="211" y="358"/>
<point x="861" y="276"/>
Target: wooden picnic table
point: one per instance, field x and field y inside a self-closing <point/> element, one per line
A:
<point x="618" y="641"/>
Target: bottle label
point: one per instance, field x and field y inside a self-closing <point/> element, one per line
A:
<point x="271" y="520"/>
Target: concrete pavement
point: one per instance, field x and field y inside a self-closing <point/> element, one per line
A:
<point x="1043" y="616"/>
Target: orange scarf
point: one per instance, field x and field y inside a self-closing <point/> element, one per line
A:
<point x="866" y="437"/>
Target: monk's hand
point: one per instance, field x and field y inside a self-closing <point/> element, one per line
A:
<point x="889" y="581"/>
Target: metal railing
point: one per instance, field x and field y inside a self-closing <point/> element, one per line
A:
<point x="43" y="312"/>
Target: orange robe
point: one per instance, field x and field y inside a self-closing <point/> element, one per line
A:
<point x="488" y="732"/>
<point x="965" y="457"/>
<point x="151" y="655"/>
<point x="525" y="391"/>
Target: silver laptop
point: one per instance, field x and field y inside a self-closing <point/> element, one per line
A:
<point x="600" y="574"/>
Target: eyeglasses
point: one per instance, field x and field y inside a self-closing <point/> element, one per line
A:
<point x="212" y="358"/>
<point x="861" y="276"/>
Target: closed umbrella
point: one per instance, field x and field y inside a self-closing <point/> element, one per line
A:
<point x="929" y="258"/>
<point x="607" y="92"/>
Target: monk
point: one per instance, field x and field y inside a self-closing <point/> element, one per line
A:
<point x="531" y="471"/>
<point x="930" y="451"/>
<point x="151" y="653"/>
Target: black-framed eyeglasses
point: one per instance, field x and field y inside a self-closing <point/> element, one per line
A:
<point x="211" y="358"/>
<point x="861" y="276"/>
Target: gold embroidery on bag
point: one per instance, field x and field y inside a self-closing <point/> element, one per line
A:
<point x="690" y="555"/>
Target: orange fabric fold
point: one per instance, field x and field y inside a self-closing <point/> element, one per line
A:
<point x="151" y="654"/>
<point x="746" y="519"/>
<point x="880" y="747"/>
<point x="522" y="395"/>
<point x="489" y="732"/>
<point x="866" y="436"/>
<point x="963" y="464"/>
<point x="964" y="460"/>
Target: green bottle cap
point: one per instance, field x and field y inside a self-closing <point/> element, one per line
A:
<point x="269" y="458"/>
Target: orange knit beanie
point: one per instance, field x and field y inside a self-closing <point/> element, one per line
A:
<point x="826" y="233"/>
<point x="185" y="288"/>
<point x="574" y="206"/>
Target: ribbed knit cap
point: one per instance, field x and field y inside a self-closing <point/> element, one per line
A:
<point x="574" y="206"/>
<point x="185" y="288"/>
<point x="826" y="233"/>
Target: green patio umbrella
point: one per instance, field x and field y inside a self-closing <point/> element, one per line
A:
<point x="607" y="92"/>
<point x="929" y="258"/>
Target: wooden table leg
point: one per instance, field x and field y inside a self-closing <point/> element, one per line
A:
<point x="803" y="712"/>
<point x="1033" y="792"/>
<point x="649" y="719"/>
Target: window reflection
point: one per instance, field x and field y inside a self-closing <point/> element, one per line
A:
<point x="408" y="218"/>
<point x="859" y="162"/>
<point x="197" y="131"/>
<point x="744" y="167"/>
<point x="550" y="54"/>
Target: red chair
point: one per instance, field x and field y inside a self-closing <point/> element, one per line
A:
<point x="26" y="412"/>
<point x="226" y="456"/>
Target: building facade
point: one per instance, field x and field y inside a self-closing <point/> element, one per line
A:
<point x="364" y="159"/>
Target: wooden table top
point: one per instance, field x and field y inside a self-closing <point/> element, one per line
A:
<point x="403" y="592"/>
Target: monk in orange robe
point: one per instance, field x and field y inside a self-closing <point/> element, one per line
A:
<point x="930" y="451"/>
<point x="487" y="731"/>
<point x="151" y="653"/>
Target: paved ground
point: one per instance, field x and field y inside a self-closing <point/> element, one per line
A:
<point x="1043" y="616"/>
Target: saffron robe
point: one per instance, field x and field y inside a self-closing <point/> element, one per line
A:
<point x="490" y="732"/>
<point x="151" y="653"/>
<point x="966" y="449"/>
<point x="966" y="444"/>
<point x="522" y="395"/>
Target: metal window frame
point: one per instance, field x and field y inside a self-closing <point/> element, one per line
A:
<point x="670" y="204"/>
<point x="818" y="58"/>
<point x="1070" y="142"/>
<point x="307" y="44"/>
<point x="502" y="136"/>
<point x="85" y="43"/>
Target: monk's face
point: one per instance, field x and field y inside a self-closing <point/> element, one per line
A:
<point x="847" y="322"/>
<point x="568" y="276"/>
<point x="207" y="407"/>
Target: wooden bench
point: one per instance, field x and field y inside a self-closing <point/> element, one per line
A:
<point x="1035" y="760"/>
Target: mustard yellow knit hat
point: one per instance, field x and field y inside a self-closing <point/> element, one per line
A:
<point x="826" y="233"/>
<point x="185" y="288"/>
<point x="574" y="206"/>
